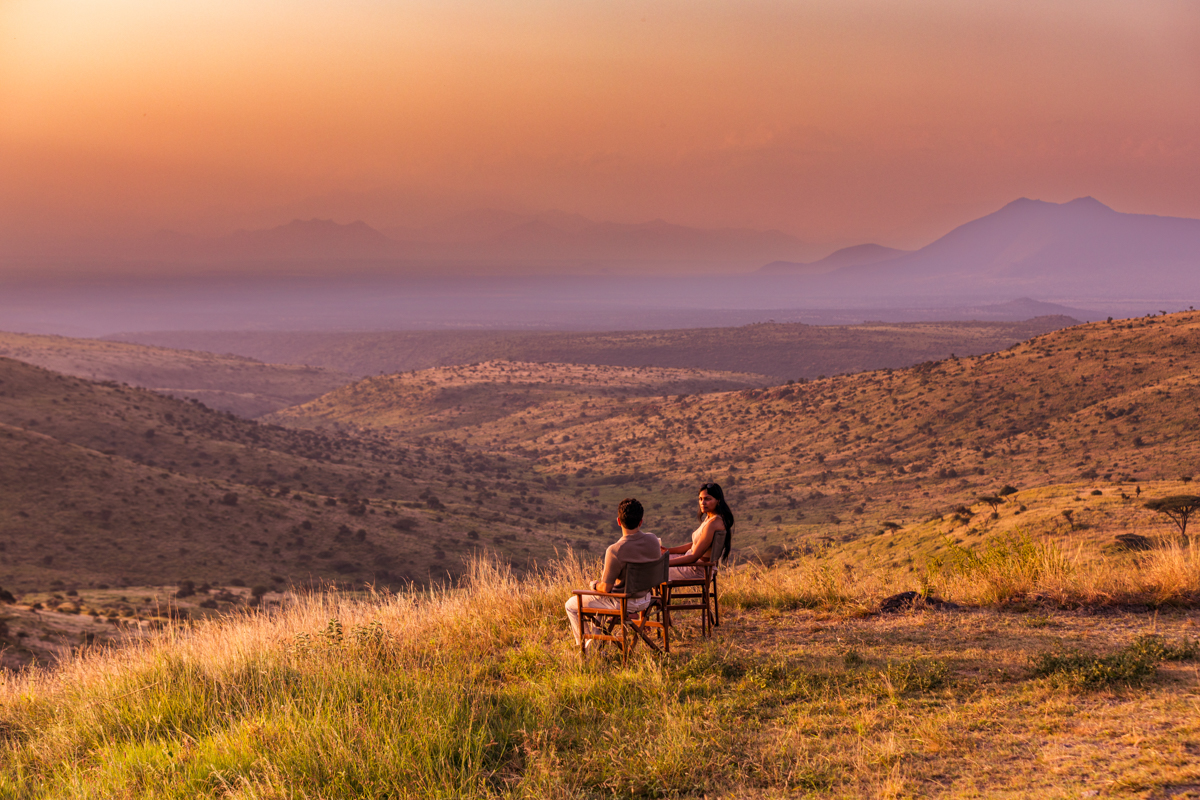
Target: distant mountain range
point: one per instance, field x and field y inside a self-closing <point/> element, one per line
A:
<point x="1082" y="250"/>
<point x="299" y="239"/>
<point x="494" y="269"/>
<point x="846" y="257"/>
<point x="489" y="235"/>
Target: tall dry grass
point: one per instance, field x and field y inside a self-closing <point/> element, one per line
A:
<point x="473" y="691"/>
<point x="806" y="582"/>
<point x="477" y="691"/>
<point x="1021" y="568"/>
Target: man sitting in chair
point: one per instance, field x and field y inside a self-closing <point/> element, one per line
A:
<point x="634" y="547"/>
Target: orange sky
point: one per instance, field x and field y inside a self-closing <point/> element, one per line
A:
<point x="837" y="121"/>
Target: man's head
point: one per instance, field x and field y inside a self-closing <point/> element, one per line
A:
<point x="629" y="514"/>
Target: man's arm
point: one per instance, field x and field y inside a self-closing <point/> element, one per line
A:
<point x="612" y="571"/>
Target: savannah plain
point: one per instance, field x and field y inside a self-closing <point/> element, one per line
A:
<point x="348" y="580"/>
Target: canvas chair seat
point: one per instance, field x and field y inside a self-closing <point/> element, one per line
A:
<point x="645" y="625"/>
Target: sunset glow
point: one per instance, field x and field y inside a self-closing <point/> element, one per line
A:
<point x="832" y="121"/>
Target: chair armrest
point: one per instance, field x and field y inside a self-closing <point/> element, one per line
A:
<point x="594" y="593"/>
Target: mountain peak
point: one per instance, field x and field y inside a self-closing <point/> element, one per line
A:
<point x="1089" y="203"/>
<point x="1025" y="203"/>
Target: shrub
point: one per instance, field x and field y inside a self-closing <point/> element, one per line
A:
<point x="915" y="676"/>
<point x="1132" y="665"/>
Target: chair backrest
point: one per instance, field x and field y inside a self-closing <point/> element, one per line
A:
<point x="641" y="578"/>
<point x="718" y="547"/>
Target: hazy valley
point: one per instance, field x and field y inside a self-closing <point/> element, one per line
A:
<point x="776" y="352"/>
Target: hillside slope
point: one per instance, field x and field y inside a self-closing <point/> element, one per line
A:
<point x="457" y="398"/>
<point x="102" y="483"/>
<point x="1089" y="408"/>
<point x="532" y="457"/>
<point x="241" y="385"/>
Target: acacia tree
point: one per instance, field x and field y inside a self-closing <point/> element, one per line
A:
<point x="992" y="500"/>
<point x="1178" y="507"/>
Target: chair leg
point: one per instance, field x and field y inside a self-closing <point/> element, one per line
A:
<point x="583" y="627"/>
<point x="716" y="602"/>
<point x="663" y="615"/>
<point x="624" y="633"/>
<point x="666" y="616"/>
<point x="640" y="627"/>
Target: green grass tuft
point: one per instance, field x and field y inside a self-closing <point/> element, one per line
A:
<point x="1132" y="665"/>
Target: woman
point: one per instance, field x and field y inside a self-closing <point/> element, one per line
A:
<point x="716" y="524"/>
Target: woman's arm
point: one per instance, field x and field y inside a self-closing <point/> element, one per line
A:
<point x="692" y="553"/>
<point x="680" y="548"/>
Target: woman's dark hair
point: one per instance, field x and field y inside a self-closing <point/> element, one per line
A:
<point x="723" y="511"/>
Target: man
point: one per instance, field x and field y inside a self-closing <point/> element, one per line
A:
<point x="634" y="547"/>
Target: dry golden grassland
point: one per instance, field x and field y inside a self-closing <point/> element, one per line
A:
<point x="477" y="692"/>
<point x="45" y="627"/>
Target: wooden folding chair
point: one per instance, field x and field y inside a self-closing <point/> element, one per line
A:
<point x="696" y="594"/>
<point x="639" y="579"/>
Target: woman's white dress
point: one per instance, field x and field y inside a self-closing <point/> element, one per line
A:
<point x="688" y="572"/>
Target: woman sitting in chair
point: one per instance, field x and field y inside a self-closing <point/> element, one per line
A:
<point x="716" y="527"/>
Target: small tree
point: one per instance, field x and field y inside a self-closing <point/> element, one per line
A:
<point x="992" y="500"/>
<point x="1178" y="507"/>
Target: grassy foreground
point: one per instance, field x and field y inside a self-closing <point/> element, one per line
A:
<point x="476" y="692"/>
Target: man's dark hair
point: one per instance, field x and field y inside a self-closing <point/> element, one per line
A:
<point x="629" y="513"/>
